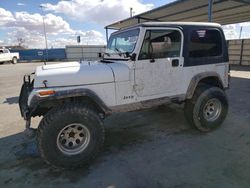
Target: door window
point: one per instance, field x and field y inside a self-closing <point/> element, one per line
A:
<point x="160" y="44"/>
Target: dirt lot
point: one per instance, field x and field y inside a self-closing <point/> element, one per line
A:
<point x="153" y="148"/>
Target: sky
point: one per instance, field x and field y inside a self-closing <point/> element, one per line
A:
<point x="21" y="21"/>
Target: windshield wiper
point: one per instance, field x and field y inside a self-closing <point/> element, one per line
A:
<point x="105" y="61"/>
<point x="106" y="53"/>
<point x="119" y="51"/>
<point x="126" y="54"/>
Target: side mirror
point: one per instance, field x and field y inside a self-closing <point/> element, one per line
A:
<point x="133" y="57"/>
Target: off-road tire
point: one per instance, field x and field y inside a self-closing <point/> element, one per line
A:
<point x="55" y="121"/>
<point x="14" y="60"/>
<point x="194" y="108"/>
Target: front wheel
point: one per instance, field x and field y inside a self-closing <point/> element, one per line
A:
<point x="70" y="136"/>
<point x="207" y="109"/>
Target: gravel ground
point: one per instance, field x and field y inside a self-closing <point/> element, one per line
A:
<point x="152" y="148"/>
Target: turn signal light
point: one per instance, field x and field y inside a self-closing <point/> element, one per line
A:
<point x="47" y="92"/>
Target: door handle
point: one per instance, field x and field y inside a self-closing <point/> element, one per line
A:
<point x="175" y="62"/>
<point x="152" y="60"/>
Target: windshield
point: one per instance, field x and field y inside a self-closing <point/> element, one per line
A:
<point x="123" y="41"/>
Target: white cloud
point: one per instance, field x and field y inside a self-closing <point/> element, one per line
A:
<point x="5" y="17"/>
<point x="61" y="42"/>
<point x="32" y="39"/>
<point x="54" y="24"/>
<point x="91" y="37"/>
<point x="230" y="31"/>
<point x="20" y="4"/>
<point x="98" y="11"/>
<point x="30" y="28"/>
<point x="245" y="24"/>
<point x="245" y="29"/>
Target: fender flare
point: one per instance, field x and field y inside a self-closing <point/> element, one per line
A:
<point x="79" y="92"/>
<point x="197" y="78"/>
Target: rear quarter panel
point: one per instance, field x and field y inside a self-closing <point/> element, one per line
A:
<point x="220" y="69"/>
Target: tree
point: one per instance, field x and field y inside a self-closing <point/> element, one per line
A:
<point x="20" y="41"/>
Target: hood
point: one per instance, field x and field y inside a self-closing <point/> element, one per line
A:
<point x="76" y="73"/>
<point x="73" y="73"/>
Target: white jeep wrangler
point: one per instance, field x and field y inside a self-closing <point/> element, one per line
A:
<point x="146" y="65"/>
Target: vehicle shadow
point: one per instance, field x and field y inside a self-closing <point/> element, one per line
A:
<point x="123" y="131"/>
<point x="11" y="100"/>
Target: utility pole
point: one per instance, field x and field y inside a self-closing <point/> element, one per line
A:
<point x="240" y="32"/>
<point x="45" y="36"/>
<point x="131" y="11"/>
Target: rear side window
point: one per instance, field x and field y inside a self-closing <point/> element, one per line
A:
<point x="205" y="43"/>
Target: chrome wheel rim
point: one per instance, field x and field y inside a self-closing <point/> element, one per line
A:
<point x="212" y="109"/>
<point x="73" y="139"/>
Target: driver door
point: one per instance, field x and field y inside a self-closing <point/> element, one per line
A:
<point x="159" y="63"/>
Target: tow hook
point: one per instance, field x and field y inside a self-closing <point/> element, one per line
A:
<point x="29" y="132"/>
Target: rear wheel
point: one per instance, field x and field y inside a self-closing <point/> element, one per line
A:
<point x="14" y="60"/>
<point x="70" y="136"/>
<point x="207" y="109"/>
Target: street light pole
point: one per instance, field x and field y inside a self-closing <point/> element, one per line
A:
<point x="210" y="10"/>
<point x="45" y="36"/>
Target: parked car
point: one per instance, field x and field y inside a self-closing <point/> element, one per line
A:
<point x="146" y="65"/>
<point x="7" y="56"/>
